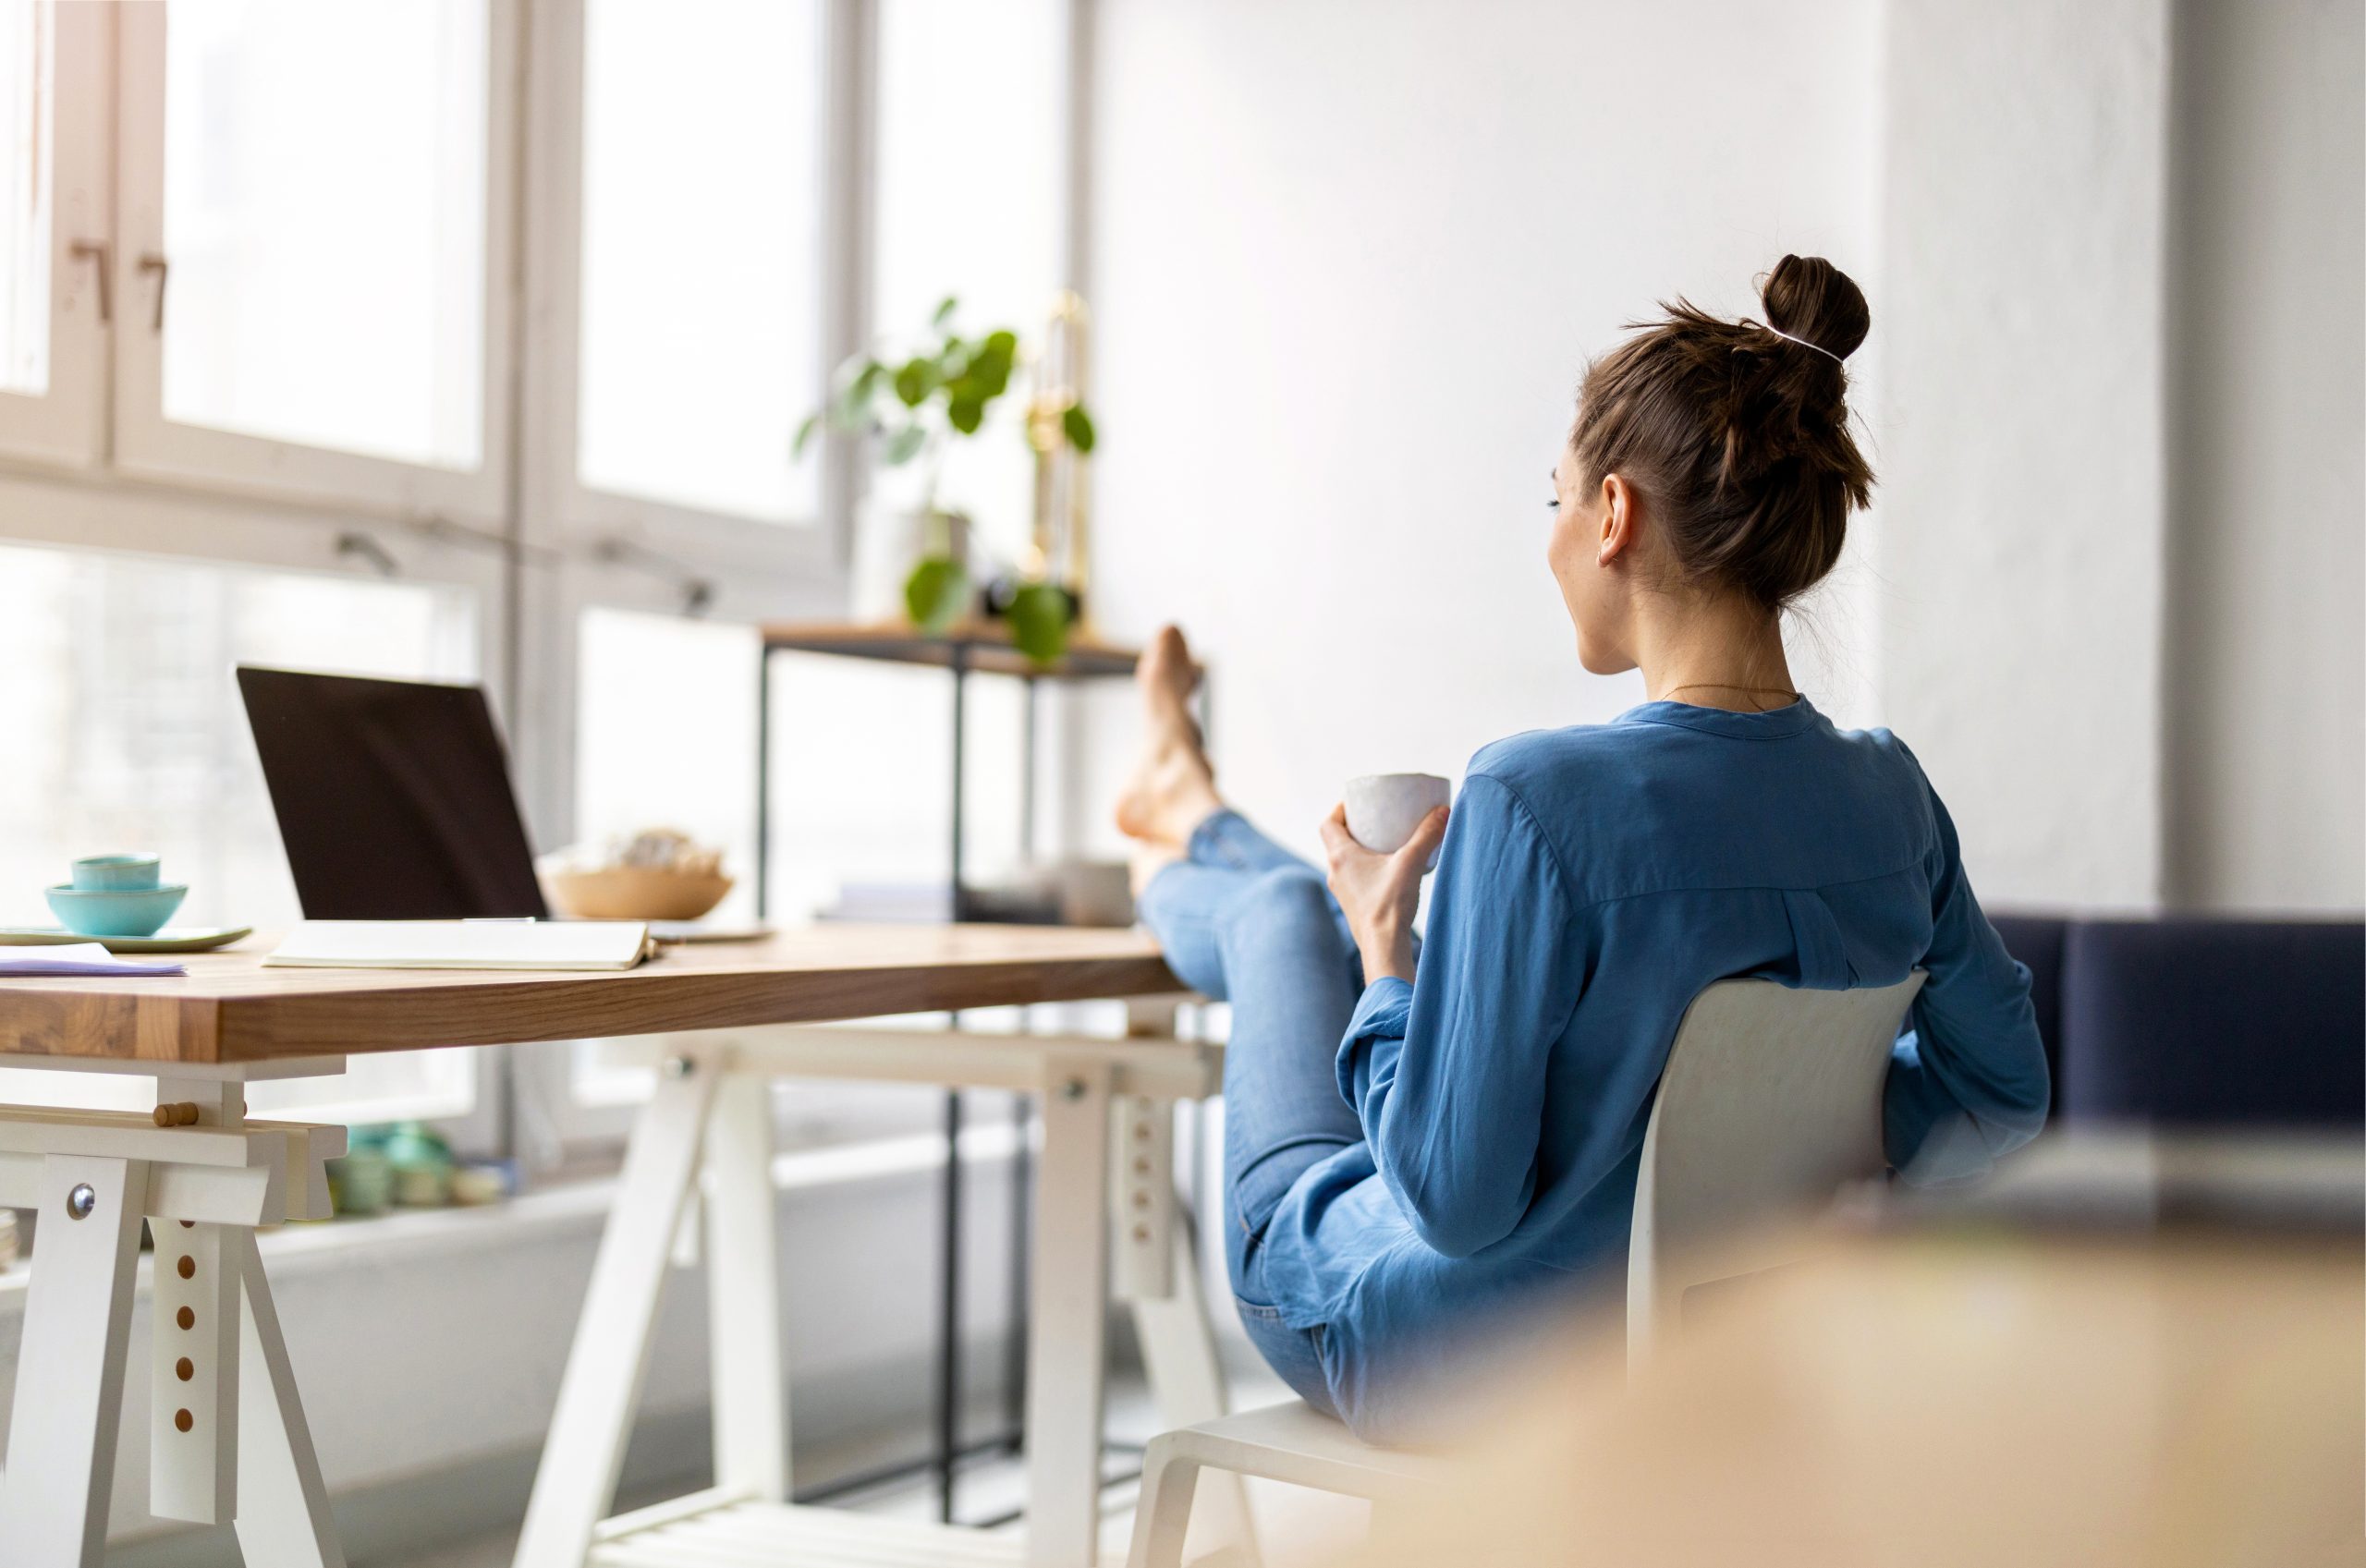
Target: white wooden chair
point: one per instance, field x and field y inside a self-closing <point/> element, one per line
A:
<point x="1771" y="1102"/>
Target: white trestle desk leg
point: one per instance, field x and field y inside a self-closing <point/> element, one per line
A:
<point x="193" y="1346"/>
<point x="70" y="1369"/>
<point x="577" y="1479"/>
<point x="283" y="1519"/>
<point x="743" y="1293"/>
<point x="1158" y="1275"/>
<point x="1066" y="1347"/>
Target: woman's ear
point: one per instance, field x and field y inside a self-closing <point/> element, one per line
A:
<point x="1619" y="520"/>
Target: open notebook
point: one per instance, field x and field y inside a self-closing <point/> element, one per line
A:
<point x="464" y="944"/>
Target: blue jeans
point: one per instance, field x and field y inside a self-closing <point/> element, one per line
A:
<point x="1243" y="921"/>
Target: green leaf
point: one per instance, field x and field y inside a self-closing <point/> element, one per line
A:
<point x="1039" y="622"/>
<point x="1076" y="425"/>
<point x="935" y="591"/>
<point x="915" y="378"/>
<point x="966" y="412"/>
<point x="989" y="366"/>
<point x="903" y="447"/>
<point x="944" y="311"/>
<point x="851" y="410"/>
<point x="804" y="435"/>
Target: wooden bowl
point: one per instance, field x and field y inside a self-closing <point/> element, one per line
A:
<point x="635" y="892"/>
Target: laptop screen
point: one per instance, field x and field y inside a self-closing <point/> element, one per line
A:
<point x="392" y="797"/>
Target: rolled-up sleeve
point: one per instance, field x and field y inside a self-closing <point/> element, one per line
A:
<point x="1449" y="1074"/>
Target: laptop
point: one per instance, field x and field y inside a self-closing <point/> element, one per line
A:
<point x="392" y="797"/>
<point x="394" y="802"/>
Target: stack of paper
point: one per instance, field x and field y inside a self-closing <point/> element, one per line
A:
<point x="464" y="944"/>
<point x="79" y="959"/>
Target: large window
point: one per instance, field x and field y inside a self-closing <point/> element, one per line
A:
<point x="684" y="178"/>
<point x="302" y="304"/>
<point x="125" y="734"/>
<point x="469" y="339"/>
<point x="55" y="225"/>
<point x="28" y="74"/>
<point x="970" y="105"/>
<point x="702" y="254"/>
<point x="313" y="228"/>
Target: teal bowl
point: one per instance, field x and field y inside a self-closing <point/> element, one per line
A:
<point x="88" y="911"/>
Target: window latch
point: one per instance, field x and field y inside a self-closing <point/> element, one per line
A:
<point x="98" y="251"/>
<point x="152" y="262"/>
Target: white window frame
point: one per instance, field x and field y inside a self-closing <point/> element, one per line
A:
<point x="66" y="423"/>
<point x="82" y="473"/>
<point x="589" y="549"/>
<point x="149" y="444"/>
<point x="754" y="570"/>
<point x="85" y="470"/>
<point x="560" y="511"/>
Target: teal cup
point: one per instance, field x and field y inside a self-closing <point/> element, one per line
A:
<point x="116" y="873"/>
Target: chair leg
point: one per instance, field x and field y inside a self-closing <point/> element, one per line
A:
<point x="1178" y="1348"/>
<point x="1163" y="1510"/>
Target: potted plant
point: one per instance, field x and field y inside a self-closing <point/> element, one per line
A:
<point x="910" y="409"/>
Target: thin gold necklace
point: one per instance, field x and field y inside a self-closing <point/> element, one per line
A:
<point x="1787" y="695"/>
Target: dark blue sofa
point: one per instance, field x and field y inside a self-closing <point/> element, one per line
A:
<point x="2200" y="1021"/>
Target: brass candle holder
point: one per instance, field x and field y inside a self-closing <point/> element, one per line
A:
<point x="1060" y="549"/>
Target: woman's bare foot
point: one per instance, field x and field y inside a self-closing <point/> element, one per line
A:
<point x="1172" y="789"/>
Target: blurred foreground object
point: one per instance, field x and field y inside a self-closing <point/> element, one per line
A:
<point x="1967" y="1398"/>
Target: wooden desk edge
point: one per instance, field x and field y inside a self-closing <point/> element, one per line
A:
<point x="67" y="1027"/>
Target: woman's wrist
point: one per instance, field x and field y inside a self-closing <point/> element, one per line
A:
<point x="1387" y="947"/>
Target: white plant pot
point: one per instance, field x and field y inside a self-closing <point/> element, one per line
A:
<point x="889" y="542"/>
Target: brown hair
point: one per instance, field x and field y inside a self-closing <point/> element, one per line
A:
<point x="1737" y="437"/>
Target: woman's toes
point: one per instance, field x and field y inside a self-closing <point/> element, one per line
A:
<point x="1166" y="673"/>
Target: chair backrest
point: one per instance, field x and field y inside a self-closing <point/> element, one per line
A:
<point x="1770" y="1103"/>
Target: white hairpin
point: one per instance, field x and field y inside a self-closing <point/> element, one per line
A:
<point x="1803" y="343"/>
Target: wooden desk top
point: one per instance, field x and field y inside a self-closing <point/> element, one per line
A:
<point x="230" y="1008"/>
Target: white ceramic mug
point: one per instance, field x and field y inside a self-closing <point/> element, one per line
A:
<point x="1384" y="809"/>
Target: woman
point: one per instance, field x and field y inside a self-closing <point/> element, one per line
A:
<point x="1420" y="1139"/>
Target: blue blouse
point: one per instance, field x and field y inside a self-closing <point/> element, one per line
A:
<point x="1594" y="880"/>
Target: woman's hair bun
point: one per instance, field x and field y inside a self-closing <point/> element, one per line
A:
<point x="1737" y="441"/>
<point x="1810" y="298"/>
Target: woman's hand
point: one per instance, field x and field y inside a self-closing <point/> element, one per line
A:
<point x="1379" y="893"/>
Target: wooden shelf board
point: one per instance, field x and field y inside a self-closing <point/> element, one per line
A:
<point x="983" y="645"/>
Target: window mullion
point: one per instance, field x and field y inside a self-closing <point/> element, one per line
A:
<point x="851" y="117"/>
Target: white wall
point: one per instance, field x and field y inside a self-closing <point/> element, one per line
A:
<point x="2023" y="546"/>
<point x="2267" y="473"/>
<point x="1350" y="260"/>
